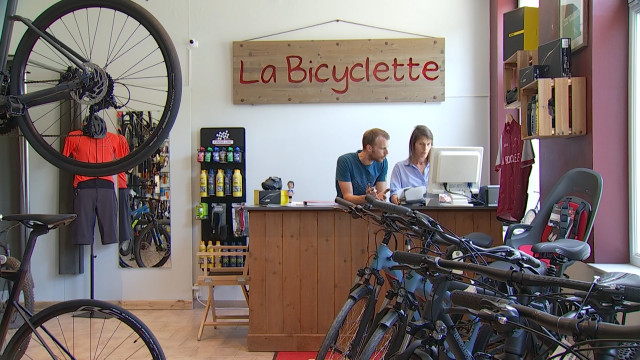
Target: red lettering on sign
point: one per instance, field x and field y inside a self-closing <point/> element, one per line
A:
<point x="357" y="72"/>
<point x="377" y="69"/>
<point x="318" y="78"/>
<point x="353" y="78"/>
<point x="339" y="79"/>
<point x="430" y="66"/>
<point x="272" y="76"/>
<point x="242" y="80"/>
<point x="296" y="68"/>
<point x="395" y="67"/>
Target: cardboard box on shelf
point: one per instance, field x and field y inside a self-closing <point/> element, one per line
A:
<point x="520" y="30"/>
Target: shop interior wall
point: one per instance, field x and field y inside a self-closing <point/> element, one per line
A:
<point x="604" y="62"/>
<point x="296" y="142"/>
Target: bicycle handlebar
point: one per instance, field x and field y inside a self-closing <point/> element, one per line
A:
<point x="388" y="207"/>
<point x="581" y="328"/>
<point x="427" y="223"/>
<point x="629" y="293"/>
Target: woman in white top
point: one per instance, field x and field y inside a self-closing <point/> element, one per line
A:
<point x="414" y="171"/>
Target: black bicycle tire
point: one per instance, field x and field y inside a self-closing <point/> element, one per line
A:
<point x="137" y="241"/>
<point x="27" y="292"/>
<point x="362" y="293"/>
<point x="124" y="251"/>
<point x="170" y="109"/>
<point x="86" y="306"/>
<point x="379" y="334"/>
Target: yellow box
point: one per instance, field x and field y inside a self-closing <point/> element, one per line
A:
<point x="520" y="30"/>
<point x="270" y="197"/>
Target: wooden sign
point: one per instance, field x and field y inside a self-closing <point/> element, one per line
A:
<point x="338" y="71"/>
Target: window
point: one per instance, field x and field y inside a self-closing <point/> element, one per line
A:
<point x="634" y="130"/>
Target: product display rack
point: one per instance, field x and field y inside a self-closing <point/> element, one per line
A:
<point x="220" y="226"/>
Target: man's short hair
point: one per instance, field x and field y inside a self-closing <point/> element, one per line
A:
<point x="370" y="136"/>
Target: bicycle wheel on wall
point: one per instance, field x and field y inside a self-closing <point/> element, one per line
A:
<point x="152" y="247"/>
<point x="133" y="66"/>
<point x="87" y="329"/>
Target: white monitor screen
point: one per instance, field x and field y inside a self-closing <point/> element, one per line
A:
<point x="455" y="169"/>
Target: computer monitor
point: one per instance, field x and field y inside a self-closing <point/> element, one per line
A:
<point x="456" y="171"/>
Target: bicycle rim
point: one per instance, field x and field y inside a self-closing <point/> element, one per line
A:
<point x="134" y="68"/>
<point x="87" y="329"/>
<point x="340" y="342"/>
<point x="152" y="247"/>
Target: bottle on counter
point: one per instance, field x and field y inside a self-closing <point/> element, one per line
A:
<point x="203" y="183"/>
<point x="237" y="183"/>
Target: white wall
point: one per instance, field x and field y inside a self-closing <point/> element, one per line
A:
<point x="295" y="142"/>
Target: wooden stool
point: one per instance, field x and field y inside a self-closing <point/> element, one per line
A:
<point x="223" y="277"/>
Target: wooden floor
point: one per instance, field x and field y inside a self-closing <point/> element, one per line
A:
<point x="177" y="331"/>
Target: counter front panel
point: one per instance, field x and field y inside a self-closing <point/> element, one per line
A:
<point x="303" y="262"/>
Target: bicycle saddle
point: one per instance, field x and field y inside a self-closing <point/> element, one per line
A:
<point x="569" y="248"/>
<point x="480" y="239"/>
<point x="620" y="278"/>
<point x="52" y="221"/>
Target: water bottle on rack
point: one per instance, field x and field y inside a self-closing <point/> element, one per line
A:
<point x="220" y="183"/>
<point x="237" y="155"/>
<point x="215" y="154"/>
<point x="211" y="186"/>
<point x="203" y="183"/>
<point x="230" y="154"/>
<point x="237" y="183"/>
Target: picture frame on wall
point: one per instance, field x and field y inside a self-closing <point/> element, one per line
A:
<point x="573" y="22"/>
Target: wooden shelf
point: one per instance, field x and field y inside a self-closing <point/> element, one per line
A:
<point x="569" y="96"/>
<point x="511" y="72"/>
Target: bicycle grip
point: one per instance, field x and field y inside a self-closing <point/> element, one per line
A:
<point x="471" y="300"/>
<point x="408" y="258"/>
<point x="345" y="203"/>
<point x="388" y="207"/>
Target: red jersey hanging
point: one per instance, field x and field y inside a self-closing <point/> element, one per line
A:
<point x="514" y="161"/>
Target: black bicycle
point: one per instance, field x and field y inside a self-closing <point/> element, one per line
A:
<point x="74" y="329"/>
<point x="85" y="60"/>
<point x="592" y="326"/>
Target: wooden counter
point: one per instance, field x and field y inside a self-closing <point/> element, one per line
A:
<point x="303" y="261"/>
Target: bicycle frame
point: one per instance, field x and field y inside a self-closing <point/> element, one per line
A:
<point x="17" y="103"/>
<point x="18" y="280"/>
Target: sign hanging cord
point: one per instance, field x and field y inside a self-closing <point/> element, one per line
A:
<point x="337" y="21"/>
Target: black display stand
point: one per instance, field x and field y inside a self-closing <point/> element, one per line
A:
<point x="223" y="137"/>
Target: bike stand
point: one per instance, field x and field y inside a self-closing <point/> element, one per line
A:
<point x="92" y="314"/>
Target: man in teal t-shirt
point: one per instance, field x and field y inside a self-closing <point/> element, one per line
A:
<point x="365" y="171"/>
